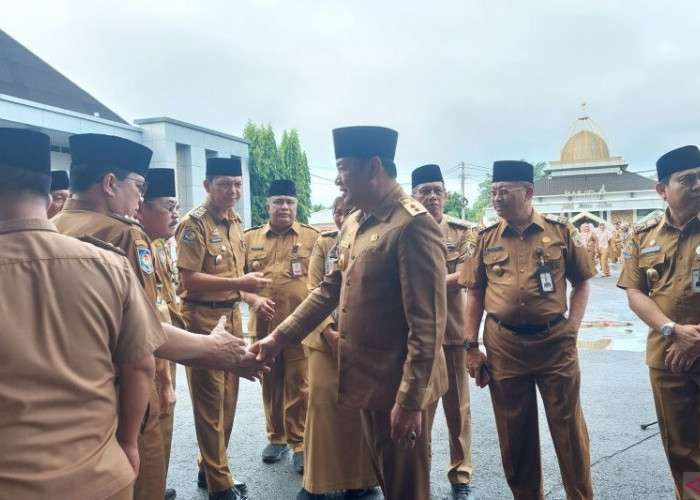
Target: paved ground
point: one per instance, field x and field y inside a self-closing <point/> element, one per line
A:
<point x="628" y="463"/>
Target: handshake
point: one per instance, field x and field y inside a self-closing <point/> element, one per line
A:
<point x="230" y="353"/>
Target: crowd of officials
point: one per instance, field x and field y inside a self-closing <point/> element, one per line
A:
<point x="357" y="333"/>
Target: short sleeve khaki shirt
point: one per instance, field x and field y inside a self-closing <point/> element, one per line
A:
<point x="454" y="233"/>
<point x="660" y="260"/>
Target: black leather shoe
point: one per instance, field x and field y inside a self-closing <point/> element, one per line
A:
<point x="202" y="483"/>
<point x="229" y="494"/>
<point x="273" y="453"/>
<point x="462" y="491"/>
<point x="170" y="494"/>
<point x="359" y="493"/>
<point x="298" y="459"/>
<point x="305" y="495"/>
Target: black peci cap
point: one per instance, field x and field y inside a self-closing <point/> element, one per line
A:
<point x="230" y="167"/>
<point x="59" y="180"/>
<point x="283" y="187"/>
<point x="677" y="160"/>
<point x="101" y="150"/>
<point x="426" y="173"/>
<point x="25" y="149"/>
<point x="513" y="171"/>
<point x="161" y="183"/>
<point x="365" y="142"/>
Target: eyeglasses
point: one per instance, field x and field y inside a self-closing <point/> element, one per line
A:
<point x="427" y="190"/>
<point x="142" y="186"/>
<point x="503" y="192"/>
<point x="173" y="207"/>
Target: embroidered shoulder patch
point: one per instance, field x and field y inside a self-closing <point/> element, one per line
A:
<point x="189" y="234"/>
<point x="145" y="260"/>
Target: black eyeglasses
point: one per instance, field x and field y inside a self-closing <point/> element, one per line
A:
<point x="142" y="186"/>
<point x="427" y="190"/>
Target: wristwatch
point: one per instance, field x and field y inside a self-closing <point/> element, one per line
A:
<point x="667" y="329"/>
<point x="470" y="344"/>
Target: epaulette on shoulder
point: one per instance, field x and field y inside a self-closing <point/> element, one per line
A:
<point x="198" y="213"/>
<point x="458" y="222"/>
<point x="329" y="234"/>
<point x="412" y="206"/>
<point x="105" y="245"/>
<point x="253" y="228"/>
<point x="648" y="224"/>
<point x="557" y="219"/>
<point x="127" y="220"/>
<point x="489" y="227"/>
<point x="309" y="227"/>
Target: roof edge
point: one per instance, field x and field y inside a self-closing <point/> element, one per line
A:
<point x="166" y="119"/>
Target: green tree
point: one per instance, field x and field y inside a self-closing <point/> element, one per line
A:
<point x="317" y="207"/>
<point x="453" y="204"/>
<point x="265" y="165"/>
<point x="296" y="168"/>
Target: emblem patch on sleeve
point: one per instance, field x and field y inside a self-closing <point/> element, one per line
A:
<point x="189" y="235"/>
<point x="145" y="260"/>
<point x="471" y="249"/>
<point x="630" y="249"/>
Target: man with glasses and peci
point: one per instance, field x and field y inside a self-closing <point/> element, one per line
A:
<point x="108" y="181"/>
<point x="210" y="257"/>
<point x="59" y="191"/>
<point x="429" y="190"/>
<point x="518" y="273"/>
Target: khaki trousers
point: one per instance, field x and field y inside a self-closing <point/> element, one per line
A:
<point x="150" y="482"/>
<point x="403" y="473"/>
<point x="285" y="394"/>
<point x="166" y="424"/>
<point x="547" y="361"/>
<point x="677" y="401"/>
<point x="214" y="395"/>
<point x="455" y="403"/>
<point x="336" y="452"/>
<point x="605" y="262"/>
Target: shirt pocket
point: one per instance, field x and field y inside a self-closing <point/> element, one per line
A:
<point x="302" y="256"/>
<point x="452" y="259"/>
<point x="498" y="266"/>
<point x="653" y="268"/>
<point x="553" y="257"/>
<point x="256" y="261"/>
<point x="218" y="259"/>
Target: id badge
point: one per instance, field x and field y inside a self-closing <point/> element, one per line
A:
<point x="297" y="269"/>
<point x="695" y="279"/>
<point x="545" y="280"/>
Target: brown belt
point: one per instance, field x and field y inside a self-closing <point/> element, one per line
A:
<point x="527" y="329"/>
<point x="223" y="304"/>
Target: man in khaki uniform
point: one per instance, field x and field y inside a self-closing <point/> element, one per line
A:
<point x="108" y="179"/>
<point x="158" y="215"/>
<point x="59" y="191"/>
<point x="281" y="250"/>
<point x="517" y="273"/>
<point x="661" y="275"/>
<point x="429" y="189"/>
<point x="210" y="257"/>
<point x="61" y="426"/>
<point x="389" y="287"/>
<point x="603" y="247"/>
<point x="336" y="452"/>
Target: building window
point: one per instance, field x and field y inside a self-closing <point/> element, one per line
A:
<point x="183" y="156"/>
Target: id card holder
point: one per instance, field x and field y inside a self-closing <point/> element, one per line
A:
<point x="545" y="280"/>
<point x="296" y="267"/>
<point x="695" y="279"/>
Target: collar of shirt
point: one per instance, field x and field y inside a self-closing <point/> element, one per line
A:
<point x="217" y="215"/>
<point x="666" y="222"/>
<point x="15" y="225"/>
<point x="386" y="206"/>
<point x="85" y="205"/>
<point x="295" y="227"/>
<point x="536" y="224"/>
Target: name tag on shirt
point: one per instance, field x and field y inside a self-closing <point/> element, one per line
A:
<point x="655" y="248"/>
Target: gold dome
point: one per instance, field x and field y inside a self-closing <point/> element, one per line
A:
<point x="584" y="145"/>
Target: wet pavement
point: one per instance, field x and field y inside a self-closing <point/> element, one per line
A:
<point x="628" y="462"/>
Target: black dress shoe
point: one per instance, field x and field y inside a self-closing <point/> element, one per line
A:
<point x="273" y="453"/>
<point x="305" y="495"/>
<point x="462" y="491"/>
<point x="298" y="459"/>
<point x="359" y="493"/>
<point x="170" y="494"/>
<point x="202" y="483"/>
<point x="229" y="494"/>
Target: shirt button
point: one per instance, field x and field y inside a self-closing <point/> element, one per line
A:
<point x="522" y="271"/>
<point x="522" y="304"/>
<point x="520" y="238"/>
<point x="344" y="310"/>
<point x="352" y="257"/>
<point x="342" y="335"/>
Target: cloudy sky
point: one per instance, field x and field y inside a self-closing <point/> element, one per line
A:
<point x="462" y="81"/>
